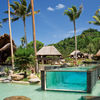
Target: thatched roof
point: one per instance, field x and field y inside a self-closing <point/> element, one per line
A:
<point x="74" y="52"/>
<point x="48" y="51"/>
<point x="5" y="47"/>
<point x="98" y="53"/>
<point x="4" y="39"/>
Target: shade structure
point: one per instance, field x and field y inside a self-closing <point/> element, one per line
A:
<point x="48" y="50"/>
<point x="98" y="53"/>
<point x="5" y="47"/>
<point x="74" y="52"/>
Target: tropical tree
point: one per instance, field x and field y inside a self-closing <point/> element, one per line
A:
<point x="0" y="24"/>
<point x="20" y="10"/>
<point x="96" y="17"/>
<point x="74" y="14"/>
<point x="23" y="41"/>
<point x="23" y="59"/>
<point x="12" y="53"/>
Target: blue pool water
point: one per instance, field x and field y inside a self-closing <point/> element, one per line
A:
<point x="35" y="93"/>
<point x="67" y="80"/>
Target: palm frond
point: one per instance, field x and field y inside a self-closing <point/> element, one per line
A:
<point x="36" y="12"/>
<point x="23" y="2"/>
<point x="71" y="9"/>
<point x="5" y="20"/>
<point x="12" y="13"/>
<point x="14" y="19"/>
<point x="29" y="14"/>
<point x="96" y="18"/>
<point x="13" y="6"/>
<point x="29" y="8"/>
<point x="94" y="22"/>
<point x="74" y="8"/>
<point x="73" y="13"/>
<point x="79" y="12"/>
<point x="69" y="14"/>
<point x="0" y="25"/>
<point x="97" y="12"/>
<point x="17" y="4"/>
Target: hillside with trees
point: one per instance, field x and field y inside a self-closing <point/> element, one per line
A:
<point x="88" y="42"/>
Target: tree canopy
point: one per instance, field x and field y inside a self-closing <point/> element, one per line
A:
<point x="96" y="17"/>
<point x="88" y="42"/>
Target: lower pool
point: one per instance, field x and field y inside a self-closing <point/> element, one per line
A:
<point x="35" y="93"/>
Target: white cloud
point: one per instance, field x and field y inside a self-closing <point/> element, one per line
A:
<point x="70" y="33"/>
<point x="50" y="8"/>
<point x="77" y="31"/>
<point x="60" y="6"/>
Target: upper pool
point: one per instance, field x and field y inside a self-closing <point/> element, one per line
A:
<point x="76" y="79"/>
<point x="79" y="68"/>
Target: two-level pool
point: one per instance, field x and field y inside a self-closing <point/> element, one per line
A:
<point x="78" y="79"/>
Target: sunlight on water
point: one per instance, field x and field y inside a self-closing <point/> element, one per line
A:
<point x="66" y="80"/>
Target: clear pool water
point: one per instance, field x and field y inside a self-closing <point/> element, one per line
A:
<point x="67" y="81"/>
<point x="34" y="92"/>
<point x="79" y="68"/>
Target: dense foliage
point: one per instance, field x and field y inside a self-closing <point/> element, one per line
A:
<point x="88" y="42"/>
<point x="24" y="57"/>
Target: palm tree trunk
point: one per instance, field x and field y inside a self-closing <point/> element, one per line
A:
<point x="34" y="37"/>
<point x="75" y="41"/>
<point x="10" y="35"/>
<point x="25" y="32"/>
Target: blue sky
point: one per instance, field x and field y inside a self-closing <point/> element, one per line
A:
<point x="51" y="24"/>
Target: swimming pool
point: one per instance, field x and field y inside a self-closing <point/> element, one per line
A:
<point x="35" y="93"/>
<point x="77" y="79"/>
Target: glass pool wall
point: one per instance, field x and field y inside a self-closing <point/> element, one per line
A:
<point x="78" y="80"/>
<point x="69" y="81"/>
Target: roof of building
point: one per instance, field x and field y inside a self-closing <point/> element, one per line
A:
<point x="98" y="53"/>
<point x="49" y="50"/>
<point x="74" y="52"/>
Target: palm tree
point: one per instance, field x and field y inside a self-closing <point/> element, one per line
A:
<point x="20" y="10"/>
<point x="10" y="35"/>
<point x="74" y="14"/>
<point x="0" y="25"/>
<point x="34" y="37"/>
<point x="23" y="41"/>
<point x="96" y="18"/>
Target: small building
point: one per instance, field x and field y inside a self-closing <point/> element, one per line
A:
<point x="86" y="55"/>
<point x="49" y="55"/>
<point x="79" y="54"/>
<point x="5" y="48"/>
<point x="98" y="55"/>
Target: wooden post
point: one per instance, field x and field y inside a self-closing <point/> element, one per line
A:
<point x="34" y="37"/>
<point x="12" y="56"/>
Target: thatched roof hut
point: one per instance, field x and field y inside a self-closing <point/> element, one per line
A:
<point x="79" y="54"/>
<point x="98" y="53"/>
<point x="5" y="47"/>
<point x="48" y="54"/>
<point x="48" y="51"/>
<point x="86" y="55"/>
<point x="74" y="52"/>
